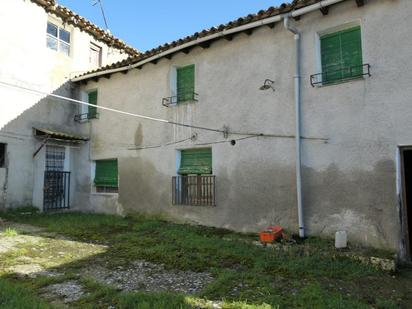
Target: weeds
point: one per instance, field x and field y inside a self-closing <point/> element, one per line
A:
<point x="10" y="232"/>
<point x="310" y="274"/>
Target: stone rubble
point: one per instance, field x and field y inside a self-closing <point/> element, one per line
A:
<point x="68" y="291"/>
<point x="146" y="276"/>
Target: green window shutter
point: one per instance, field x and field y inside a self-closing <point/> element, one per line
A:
<point x="92" y="110"/>
<point x="341" y="53"/>
<point x="331" y="58"/>
<point x="185" y="83"/>
<point x="106" y="173"/>
<point x="351" y="51"/>
<point x="196" y="161"/>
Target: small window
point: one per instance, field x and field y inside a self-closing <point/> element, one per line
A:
<point x="341" y="55"/>
<point x="185" y="83"/>
<point x="106" y="176"/>
<point x="58" y="39"/>
<point x="95" y="58"/>
<point x="2" y="155"/>
<point x="196" y="161"/>
<point x="92" y="110"/>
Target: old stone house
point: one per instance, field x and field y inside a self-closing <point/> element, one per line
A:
<point x="297" y="115"/>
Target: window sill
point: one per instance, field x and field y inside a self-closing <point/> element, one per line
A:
<point x="104" y="194"/>
<point x="194" y="206"/>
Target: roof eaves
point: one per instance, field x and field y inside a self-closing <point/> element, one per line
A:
<point x="202" y="36"/>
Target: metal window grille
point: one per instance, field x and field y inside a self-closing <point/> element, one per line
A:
<point x="343" y="74"/>
<point x="197" y="190"/>
<point x="55" y="156"/>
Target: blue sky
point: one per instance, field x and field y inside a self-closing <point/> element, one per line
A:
<point x="147" y="24"/>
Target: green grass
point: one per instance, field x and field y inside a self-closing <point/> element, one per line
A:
<point x="15" y="296"/>
<point x="10" y="232"/>
<point x="310" y="274"/>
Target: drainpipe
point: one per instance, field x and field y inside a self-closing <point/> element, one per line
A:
<point x="297" y="126"/>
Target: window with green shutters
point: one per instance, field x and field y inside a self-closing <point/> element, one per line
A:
<point x="341" y="55"/>
<point x="106" y="175"/>
<point x="196" y="161"/>
<point x="92" y="110"/>
<point x="185" y="83"/>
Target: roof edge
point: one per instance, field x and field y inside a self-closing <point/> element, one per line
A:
<point x="133" y="62"/>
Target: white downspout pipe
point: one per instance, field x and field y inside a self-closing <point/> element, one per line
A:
<point x="298" y="155"/>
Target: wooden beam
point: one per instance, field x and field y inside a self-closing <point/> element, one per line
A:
<point x="297" y="17"/>
<point x="360" y="3"/>
<point x="228" y="37"/>
<point x="96" y="79"/>
<point x="154" y="61"/>
<point x="205" y="45"/>
<point x="139" y="67"/>
<point x="249" y="31"/>
<point x="186" y="50"/>
<point x="271" y="25"/>
<point x="169" y="56"/>
<point x="324" y="10"/>
<point x="107" y="76"/>
<point x="125" y="71"/>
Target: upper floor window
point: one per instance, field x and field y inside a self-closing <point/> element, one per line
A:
<point x="185" y="83"/>
<point x="341" y="55"/>
<point x="92" y="110"/>
<point x="58" y="39"/>
<point x="182" y="85"/>
<point x="95" y="58"/>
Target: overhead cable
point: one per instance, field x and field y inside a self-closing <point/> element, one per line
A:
<point x="224" y="131"/>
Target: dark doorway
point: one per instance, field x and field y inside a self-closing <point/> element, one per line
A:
<point x="56" y="180"/>
<point x="407" y="198"/>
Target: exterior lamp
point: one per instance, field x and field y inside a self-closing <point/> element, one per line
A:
<point x="267" y="84"/>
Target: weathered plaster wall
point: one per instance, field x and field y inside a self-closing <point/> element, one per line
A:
<point x="348" y="183"/>
<point x="25" y="60"/>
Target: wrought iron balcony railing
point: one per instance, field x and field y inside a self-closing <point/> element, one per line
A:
<point x="183" y="96"/>
<point x="198" y="190"/>
<point x="86" y="116"/>
<point x="343" y="74"/>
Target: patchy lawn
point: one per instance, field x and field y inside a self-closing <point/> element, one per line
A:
<point x="73" y="260"/>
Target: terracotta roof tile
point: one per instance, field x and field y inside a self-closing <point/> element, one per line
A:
<point x="262" y="14"/>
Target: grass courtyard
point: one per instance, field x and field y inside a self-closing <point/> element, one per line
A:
<point x="73" y="260"/>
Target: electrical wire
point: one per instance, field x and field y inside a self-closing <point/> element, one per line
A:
<point x="224" y="131"/>
<point x="158" y="146"/>
<point x="13" y="137"/>
<point x="102" y="10"/>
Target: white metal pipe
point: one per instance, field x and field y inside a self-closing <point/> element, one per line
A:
<point x="223" y="33"/>
<point x="298" y="153"/>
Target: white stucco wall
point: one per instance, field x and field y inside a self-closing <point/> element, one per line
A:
<point x="348" y="183"/>
<point x="26" y="61"/>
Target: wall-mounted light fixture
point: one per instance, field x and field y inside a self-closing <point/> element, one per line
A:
<point x="267" y="84"/>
